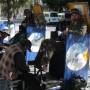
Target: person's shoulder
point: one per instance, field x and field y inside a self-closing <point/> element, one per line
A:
<point x="18" y="55"/>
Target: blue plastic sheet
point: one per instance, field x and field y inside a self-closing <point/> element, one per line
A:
<point x="30" y="56"/>
<point x="35" y="35"/>
<point x="3" y="26"/>
<point x="77" y="58"/>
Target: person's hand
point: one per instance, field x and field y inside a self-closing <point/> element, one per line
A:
<point x="84" y="30"/>
<point x="65" y="32"/>
<point x="12" y="75"/>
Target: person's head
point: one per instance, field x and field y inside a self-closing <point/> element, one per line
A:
<point x="29" y="16"/>
<point x="75" y="15"/>
<point x="27" y="12"/>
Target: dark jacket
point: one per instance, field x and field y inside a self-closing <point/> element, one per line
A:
<point x="13" y="61"/>
<point x="61" y="26"/>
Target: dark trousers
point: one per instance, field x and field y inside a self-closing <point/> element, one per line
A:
<point x="31" y="83"/>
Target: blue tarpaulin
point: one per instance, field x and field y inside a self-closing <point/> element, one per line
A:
<point x="3" y="26"/>
<point x="77" y="58"/>
<point x="35" y="35"/>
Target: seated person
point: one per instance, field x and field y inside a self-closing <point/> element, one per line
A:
<point x="14" y="65"/>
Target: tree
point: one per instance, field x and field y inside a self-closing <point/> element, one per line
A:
<point x="56" y="4"/>
<point x="10" y="7"/>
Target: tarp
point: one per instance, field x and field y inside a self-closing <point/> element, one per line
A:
<point x="77" y="58"/>
<point x="35" y="35"/>
<point x="3" y="26"/>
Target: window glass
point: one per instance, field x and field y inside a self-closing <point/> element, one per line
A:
<point x="54" y="15"/>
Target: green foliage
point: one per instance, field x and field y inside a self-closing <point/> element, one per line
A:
<point x="9" y="7"/>
<point x="89" y="3"/>
<point x="57" y="4"/>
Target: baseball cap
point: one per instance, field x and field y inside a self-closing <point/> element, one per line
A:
<point x="75" y="11"/>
